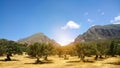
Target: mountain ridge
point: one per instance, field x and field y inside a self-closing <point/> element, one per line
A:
<point x="100" y="33"/>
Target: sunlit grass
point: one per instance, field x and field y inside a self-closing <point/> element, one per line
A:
<point x="56" y="62"/>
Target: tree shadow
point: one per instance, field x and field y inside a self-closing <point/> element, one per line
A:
<point x="89" y="61"/>
<point x="42" y="62"/>
<point x="86" y="61"/>
<point x="114" y="63"/>
<point x="9" y="60"/>
<point x="77" y="61"/>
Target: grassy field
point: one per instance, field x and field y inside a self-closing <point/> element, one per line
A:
<point x="73" y="62"/>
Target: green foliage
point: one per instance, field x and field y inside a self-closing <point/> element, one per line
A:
<point x="81" y="50"/>
<point x="48" y="49"/>
<point x="86" y="49"/>
<point x="35" y="50"/>
<point x="3" y="43"/>
<point x="40" y="49"/>
<point x="92" y="48"/>
<point x="99" y="48"/>
<point x="114" y="48"/>
<point x="11" y="47"/>
<point x="89" y="49"/>
<point x="102" y="47"/>
<point x="1" y="50"/>
<point x="59" y="51"/>
<point x="118" y="49"/>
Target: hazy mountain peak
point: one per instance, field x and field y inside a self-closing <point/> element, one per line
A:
<point x="38" y="37"/>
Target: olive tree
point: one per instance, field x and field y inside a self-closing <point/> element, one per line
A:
<point x="9" y="47"/>
<point x="80" y="51"/>
<point x="48" y="50"/>
<point x="39" y="50"/>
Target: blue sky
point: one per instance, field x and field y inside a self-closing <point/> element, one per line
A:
<point x="61" y="20"/>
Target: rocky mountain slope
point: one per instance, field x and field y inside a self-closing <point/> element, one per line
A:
<point x="38" y="37"/>
<point x="100" y="33"/>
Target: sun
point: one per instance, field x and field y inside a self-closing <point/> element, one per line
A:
<point x="64" y="41"/>
<point x="62" y="37"/>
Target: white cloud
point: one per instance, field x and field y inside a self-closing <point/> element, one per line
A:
<point x="71" y="25"/>
<point x="116" y="20"/>
<point x="90" y="20"/>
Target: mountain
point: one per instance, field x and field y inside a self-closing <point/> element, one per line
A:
<point x="38" y="37"/>
<point x="100" y="33"/>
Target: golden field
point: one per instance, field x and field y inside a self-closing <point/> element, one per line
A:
<point x="23" y="61"/>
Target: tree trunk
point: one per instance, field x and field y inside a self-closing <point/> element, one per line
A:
<point x="65" y="56"/>
<point x="96" y="57"/>
<point x="78" y="56"/>
<point x="82" y="57"/>
<point x="105" y="56"/>
<point x="113" y="55"/>
<point x="60" y="55"/>
<point x="101" y="57"/>
<point x="46" y="57"/>
<point x="8" y="57"/>
<point x="38" y="60"/>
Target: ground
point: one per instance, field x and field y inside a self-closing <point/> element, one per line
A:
<point x="24" y="62"/>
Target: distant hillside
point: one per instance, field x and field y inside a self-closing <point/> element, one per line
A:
<point x="38" y="37"/>
<point x="100" y="33"/>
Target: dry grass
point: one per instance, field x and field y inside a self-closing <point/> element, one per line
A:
<point x="73" y="62"/>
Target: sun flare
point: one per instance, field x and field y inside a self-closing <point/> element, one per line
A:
<point x="62" y="37"/>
